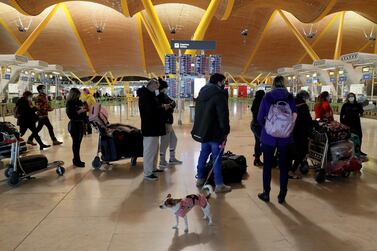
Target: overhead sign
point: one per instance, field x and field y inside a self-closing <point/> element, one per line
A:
<point x="192" y="45"/>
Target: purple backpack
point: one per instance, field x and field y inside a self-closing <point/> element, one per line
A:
<point x="279" y="122"/>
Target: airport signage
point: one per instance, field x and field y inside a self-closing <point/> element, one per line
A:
<point x="192" y="45"/>
<point x="367" y="76"/>
<point x="333" y="79"/>
<point x="7" y="76"/>
<point x="342" y="78"/>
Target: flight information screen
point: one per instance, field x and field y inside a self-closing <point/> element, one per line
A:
<point x="170" y="64"/>
<point x="214" y="64"/>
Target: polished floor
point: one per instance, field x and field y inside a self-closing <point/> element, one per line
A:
<point x="115" y="209"/>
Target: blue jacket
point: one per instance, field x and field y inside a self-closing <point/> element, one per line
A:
<point x="278" y="94"/>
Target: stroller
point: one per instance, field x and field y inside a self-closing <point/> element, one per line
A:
<point x="26" y="166"/>
<point x="116" y="141"/>
<point x="331" y="151"/>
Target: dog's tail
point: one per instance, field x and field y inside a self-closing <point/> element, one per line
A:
<point x="207" y="191"/>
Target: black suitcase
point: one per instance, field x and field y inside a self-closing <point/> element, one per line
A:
<point x="32" y="163"/>
<point x="234" y="167"/>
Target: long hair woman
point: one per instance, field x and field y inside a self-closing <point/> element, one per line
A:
<point x="76" y="113"/>
<point x="323" y="109"/>
<point x="256" y="128"/>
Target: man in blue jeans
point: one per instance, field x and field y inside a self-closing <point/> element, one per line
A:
<point x="211" y="127"/>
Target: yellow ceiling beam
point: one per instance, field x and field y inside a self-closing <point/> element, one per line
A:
<point x="228" y="10"/>
<point x="264" y="80"/>
<point x="365" y="46"/>
<point x="230" y="75"/>
<point x="259" y="42"/>
<point x="33" y="36"/>
<point x="78" y="37"/>
<point x="375" y="47"/>
<point x="339" y="39"/>
<point x="141" y="43"/>
<point x="257" y="78"/>
<point x="313" y="55"/>
<point x="152" y="37"/>
<point x="13" y="35"/>
<point x="15" y="5"/>
<point x="201" y="30"/>
<point x="326" y="11"/>
<point x="108" y="81"/>
<point x="320" y="36"/>
<point x="76" y="77"/>
<point x="157" y="27"/>
<point x="243" y="79"/>
<point x="125" y="9"/>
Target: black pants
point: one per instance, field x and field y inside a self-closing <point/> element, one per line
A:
<point x="34" y="132"/>
<point x="45" y="121"/>
<point x="298" y="153"/>
<point x="88" y="127"/>
<point x="76" y="129"/>
<point x="268" y="156"/>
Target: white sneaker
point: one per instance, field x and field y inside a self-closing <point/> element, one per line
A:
<point x="223" y="189"/>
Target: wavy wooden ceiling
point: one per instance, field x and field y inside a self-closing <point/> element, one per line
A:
<point x="117" y="49"/>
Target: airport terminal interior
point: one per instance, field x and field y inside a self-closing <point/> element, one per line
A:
<point x="110" y="49"/>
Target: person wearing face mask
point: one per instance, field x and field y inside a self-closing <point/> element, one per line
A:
<point x="26" y="117"/>
<point x="44" y="108"/>
<point x="350" y="116"/>
<point x="169" y="139"/>
<point x="152" y="126"/>
<point x="211" y="128"/>
<point x="323" y="109"/>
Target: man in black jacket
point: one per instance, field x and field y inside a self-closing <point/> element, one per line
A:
<point x="211" y="127"/>
<point x="152" y="126"/>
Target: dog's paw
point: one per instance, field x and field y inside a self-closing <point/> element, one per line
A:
<point x="186" y="230"/>
<point x="211" y="223"/>
<point x="204" y="217"/>
<point x="175" y="227"/>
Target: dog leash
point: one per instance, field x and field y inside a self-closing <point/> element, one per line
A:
<point x="222" y="147"/>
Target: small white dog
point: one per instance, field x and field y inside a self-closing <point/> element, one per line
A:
<point x="181" y="207"/>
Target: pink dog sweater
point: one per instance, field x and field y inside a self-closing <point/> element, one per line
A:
<point x="189" y="202"/>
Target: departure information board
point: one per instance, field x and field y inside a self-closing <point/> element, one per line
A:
<point x="185" y="64"/>
<point x="214" y="64"/>
<point x="170" y="64"/>
<point x="200" y="65"/>
<point x="172" y="87"/>
<point x="186" y="87"/>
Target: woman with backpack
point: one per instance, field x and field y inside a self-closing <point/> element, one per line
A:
<point x="27" y="117"/>
<point x="277" y="115"/>
<point x="256" y="128"/>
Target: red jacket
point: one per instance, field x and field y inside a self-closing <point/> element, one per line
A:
<point x="323" y="111"/>
<point x="42" y="105"/>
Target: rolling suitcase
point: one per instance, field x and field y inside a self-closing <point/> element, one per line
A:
<point x="33" y="163"/>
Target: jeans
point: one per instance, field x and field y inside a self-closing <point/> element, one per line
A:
<point x="76" y="129"/>
<point x="169" y="139"/>
<point x="45" y="121"/>
<point x="206" y="150"/>
<point x="257" y="130"/>
<point x="150" y="154"/>
<point x="268" y="156"/>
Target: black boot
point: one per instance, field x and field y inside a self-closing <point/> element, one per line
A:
<point x="41" y="144"/>
<point x="264" y="196"/>
<point x="281" y="196"/>
<point x="258" y="162"/>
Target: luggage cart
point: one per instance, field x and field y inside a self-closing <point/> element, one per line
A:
<point x="318" y="149"/>
<point x="99" y="159"/>
<point x="15" y="172"/>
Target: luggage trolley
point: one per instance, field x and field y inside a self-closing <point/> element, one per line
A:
<point x="318" y="149"/>
<point x="104" y="154"/>
<point x="15" y="172"/>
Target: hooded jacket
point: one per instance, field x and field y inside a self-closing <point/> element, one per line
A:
<point x="211" y="123"/>
<point x="278" y="94"/>
<point x="304" y="123"/>
<point x="25" y="112"/>
<point x="350" y="116"/>
<point x="152" y="114"/>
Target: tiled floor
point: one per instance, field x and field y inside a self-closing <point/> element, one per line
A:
<point x="114" y="209"/>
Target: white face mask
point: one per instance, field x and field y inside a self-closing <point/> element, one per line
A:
<point x="164" y="90"/>
<point x="30" y="98"/>
<point x="157" y="92"/>
<point x="351" y="99"/>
